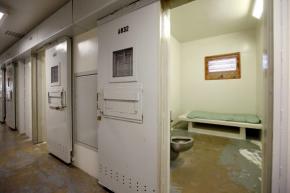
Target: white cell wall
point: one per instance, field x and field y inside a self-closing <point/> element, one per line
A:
<point x="85" y="112"/>
<point x="85" y="50"/>
<point x="23" y="99"/>
<point x="86" y="159"/>
<point x="174" y="78"/>
<point x="260" y="74"/>
<point x="223" y="96"/>
<point x="42" y="96"/>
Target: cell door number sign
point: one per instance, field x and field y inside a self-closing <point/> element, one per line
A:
<point x="123" y="29"/>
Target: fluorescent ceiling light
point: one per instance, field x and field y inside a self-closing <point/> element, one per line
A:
<point x="1" y="15"/>
<point x="258" y="9"/>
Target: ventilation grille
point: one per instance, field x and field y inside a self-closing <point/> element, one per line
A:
<point x="14" y="34"/>
<point x="131" y="184"/>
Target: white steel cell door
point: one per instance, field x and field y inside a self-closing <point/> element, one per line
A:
<point x="2" y="95"/>
<point x="128" y="102"/>
<point x="59" y="106"/>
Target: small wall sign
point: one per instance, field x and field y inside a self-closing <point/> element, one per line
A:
<point x="123" y="29"/>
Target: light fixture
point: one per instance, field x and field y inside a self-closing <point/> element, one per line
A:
<point x="1" y="15"/>
<point x="258" y="9"/>
<point x="166" y="25"/>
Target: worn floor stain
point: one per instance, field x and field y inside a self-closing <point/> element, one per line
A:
<point x="28" y="168"/>
<point x="215" y="164"/>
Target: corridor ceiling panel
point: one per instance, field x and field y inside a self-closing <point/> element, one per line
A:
<point x="24" y="15"/>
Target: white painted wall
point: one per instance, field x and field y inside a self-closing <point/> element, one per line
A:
<point x="85" y="50"/>
<point x="23" y="98"/>
<point x="223" y="96"/>
<point x="42" y="96"/>
<point x="174" y="78"/>
<point x="260" y="74"/>
<point x="85" y="112"/>
<point x="86" y="159"/>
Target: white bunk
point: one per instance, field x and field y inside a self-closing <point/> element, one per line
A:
<point x="241" y="125"/>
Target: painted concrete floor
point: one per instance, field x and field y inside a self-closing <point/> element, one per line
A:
<point x="217" y="165"/>
<point x="28" y="168"/>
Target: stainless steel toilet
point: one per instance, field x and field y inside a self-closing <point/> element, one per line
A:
<point x="179" y="144"/>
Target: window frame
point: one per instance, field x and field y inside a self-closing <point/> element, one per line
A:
<point x="223" y="75"/>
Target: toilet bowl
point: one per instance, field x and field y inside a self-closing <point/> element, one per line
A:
<point x="179" y="144"/>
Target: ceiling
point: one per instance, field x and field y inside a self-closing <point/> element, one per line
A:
<point x="24" y="15"/>
<point x="205" y="18"/>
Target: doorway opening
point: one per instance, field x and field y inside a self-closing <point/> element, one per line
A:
<point x="52" y="98"/>
<point x="217" y="87"/>
<point x="41" y="94"/>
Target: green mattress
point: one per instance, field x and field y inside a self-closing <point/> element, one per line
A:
<point x="243" y="118"/>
